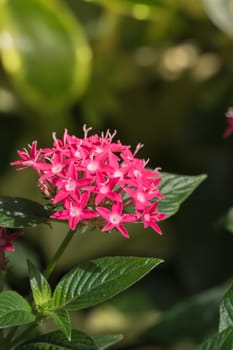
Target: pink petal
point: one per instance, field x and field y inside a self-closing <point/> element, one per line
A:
<point x="105" y="213"/>
<point x="123" y="231"/>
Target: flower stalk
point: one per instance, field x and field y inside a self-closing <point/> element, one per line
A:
<point x="60" y="251"/>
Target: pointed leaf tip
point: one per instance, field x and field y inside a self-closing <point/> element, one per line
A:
<point x="176" y="189"/>
<point x="40" y="287"/>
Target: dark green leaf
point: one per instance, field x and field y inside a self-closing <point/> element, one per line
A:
<point x="45" y="51"/>
<point x="226" y="311"/>
<point x="20" y="212"/>
<point x="41" y="290"/>
<point x="192" y="319"/>
<point x="176" y="189"/>
<point x="96" y="281"/>
<point x="104" y="341"/>
<point x="62" y="320"/>
<point x="14" y="310"/>
<point x="58" y="341"/>
<point x="221" y="341"/>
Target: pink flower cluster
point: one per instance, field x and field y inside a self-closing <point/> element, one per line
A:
<point x="93" y="180"/>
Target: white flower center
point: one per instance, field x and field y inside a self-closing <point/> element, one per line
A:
<point x="75" y="211"/>
<point x="70" y="185"/>
<point x="117" y="173"/>
<point x="141" y="197"/>
<point x="99" y="150"/>
<point x="115" y="219"/>
<point x="77" y="154"/>
<point x="104" y="189"/>
<point x="137" y="173"/>
<point x="147" y="217"/>
<point x="56" y="168"/>
<point x="92" y="166"/>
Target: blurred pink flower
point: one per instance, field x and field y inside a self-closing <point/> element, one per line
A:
<point x="93" y="180"/>
<point x="6" y="238"/>
<point x="229" y="129"/>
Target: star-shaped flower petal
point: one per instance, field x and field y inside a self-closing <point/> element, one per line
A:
<point x="115" y="218"/>
<point x="75" y="211"/>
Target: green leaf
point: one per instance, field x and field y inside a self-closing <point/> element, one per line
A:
<point x="104" y="341"/>
<point x="176" y="189"/>
<point x="57" y="341"/>
<point x="141" y="9"/>
<point x="226" y="311"/>
<point x="45" y="51"/>
<point x="62" y="320"/>
<point x="98" y="280"/>
<point x="228" y="220"/>
<point x="41" y="290"/>
<point x="221" y="341"/>
<point x="191" y="319"/>
<point x="20" y="212"/>
<point x="220" y="12"/>
<point x="14" y="310"/>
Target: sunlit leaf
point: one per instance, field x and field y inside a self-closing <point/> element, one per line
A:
<point x="14" y="310"/>
<point x="221" y="12"/>
<point x="176" y="189"/>
<point x="57" y="340"/>
<point x="41" y="290"/>
<point x="98" y="280"/>
<point x="44" y="50"/>
<point x="20" y="212"/>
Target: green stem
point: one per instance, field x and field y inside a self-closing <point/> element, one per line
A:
<point x="2" y="279"/>
<point x="3" y="262"/>
<point x="47" y="273"/>
<point x="1" y="336"/>
<point x="58" y="254"/>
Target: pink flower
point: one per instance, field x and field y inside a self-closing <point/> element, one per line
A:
<point x="75" y="211"/>
<point x="142" y="197"/>
<point x="150" y="216"/>
<point x="6" y="238"/>
<point x="106" y="189"/>
<point x="115" y="218"/>
<point x="29" y="158"/>
<point x="229" y="129"/>
<point x="94" y="180"/>
<point x="69" y="185"/>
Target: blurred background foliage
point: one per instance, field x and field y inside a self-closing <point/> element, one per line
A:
<point x="161" y="73"/>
